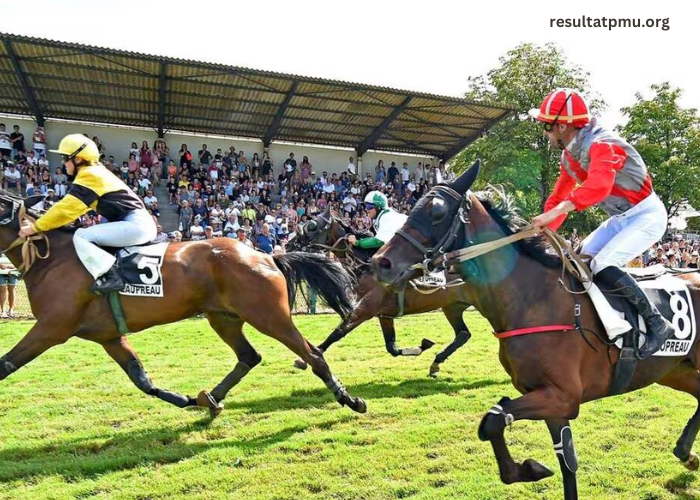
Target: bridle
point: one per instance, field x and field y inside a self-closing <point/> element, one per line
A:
<point x="353" y="260"/>
<point x="433" y="257"/>
<point x="30" y="252"/>
<point x="437" y="257"/>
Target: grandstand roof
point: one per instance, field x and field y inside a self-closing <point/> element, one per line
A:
<point x="50" y="79"/>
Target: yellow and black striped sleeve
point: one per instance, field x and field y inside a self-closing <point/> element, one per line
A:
<point x="64" y="212"/>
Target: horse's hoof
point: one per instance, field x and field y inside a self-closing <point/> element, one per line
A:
<point x="301" y="364"/>
<point x="359" y="405"/>
<point x="434" y="370"/>
<point x="206" y="400"/>
<point x="534" y="471"/>
<point x="693" y="462"/>
<point x="426" y="344"/>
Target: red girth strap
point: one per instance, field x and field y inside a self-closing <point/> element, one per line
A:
<point x="534" y="329"/>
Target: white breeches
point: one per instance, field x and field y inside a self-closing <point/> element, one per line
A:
<point x="137" y="228"/>
<point x="622" y="237"/>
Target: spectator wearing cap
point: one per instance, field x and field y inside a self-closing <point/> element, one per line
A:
<point x="175" y="237"/>
<point x="39" y="141"/>
<point x="197" y="229"/>
<point x="242" y="237"/>
<point x="151" y="203"/>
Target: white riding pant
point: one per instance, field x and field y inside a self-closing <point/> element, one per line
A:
<point x="622" y="237"/>
<point x="137" y="228"/>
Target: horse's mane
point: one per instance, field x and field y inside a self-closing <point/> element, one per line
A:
<point x="502" y="208"/>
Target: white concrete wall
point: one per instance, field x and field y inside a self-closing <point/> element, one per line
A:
<point x="117" y="141"/>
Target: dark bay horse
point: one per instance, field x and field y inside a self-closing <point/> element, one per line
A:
<point x="515" y="287"/>
<point x="220" y="278"/>
<point x="325" y="231"/>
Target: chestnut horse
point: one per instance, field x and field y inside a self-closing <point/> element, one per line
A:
<point x="221" y="278"/>
<point x="327" y="232"/>
<point x="514" y="287"/>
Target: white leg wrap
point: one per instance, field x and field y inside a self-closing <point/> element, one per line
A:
<point x="613" y="323"/>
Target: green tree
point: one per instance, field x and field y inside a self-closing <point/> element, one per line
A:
<point x="514" y="152"/>
<point x="668" y="138"/>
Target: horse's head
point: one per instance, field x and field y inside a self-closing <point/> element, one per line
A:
<point x="431" y="230"/>
<point x="324" y="229"/>
<point x="10" y="205"/>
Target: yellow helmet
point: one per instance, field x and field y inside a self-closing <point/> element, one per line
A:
<point x="78" y="146"/>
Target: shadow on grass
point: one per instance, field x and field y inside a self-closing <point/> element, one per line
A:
<point x="680" y="485"/>
<point x="88" y="458"/>
<point x="373" y="391"/>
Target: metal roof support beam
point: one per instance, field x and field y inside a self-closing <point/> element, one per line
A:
<point x="26" y="88"/>
<point x="372" y="138"/>
<point x="277" y="121"/>
<point x="162" y="88"/>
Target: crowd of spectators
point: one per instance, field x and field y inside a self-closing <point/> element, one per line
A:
<point x="225" y="193"/>
<point x="229" y="194"/>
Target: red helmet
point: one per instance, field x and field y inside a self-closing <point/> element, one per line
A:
<point x="563" y="106"/>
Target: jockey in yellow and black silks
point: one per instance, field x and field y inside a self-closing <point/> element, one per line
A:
<point x="96" y="188"/>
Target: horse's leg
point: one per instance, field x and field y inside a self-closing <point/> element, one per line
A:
<point x="277" y="323"/>
<point x="39" y="339"/>
<point x="389" y="333"/>
<point x="230" y="329"/>
<point x="340" y="332"/>
<point x="563" y="440"/>
<point x="121" y="352"/>
<point x="365" y="310"/>
<point x="453" y="314"/>
<point x="686" y="378"/>
<point x="545" y="403"/>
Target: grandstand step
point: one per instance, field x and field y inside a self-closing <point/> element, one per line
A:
<point x="168" y="213"/>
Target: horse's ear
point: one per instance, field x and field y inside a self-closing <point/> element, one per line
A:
<point x="30" y="201"/>
<point x="327" y="211"/>
<point x="465" y="181"/>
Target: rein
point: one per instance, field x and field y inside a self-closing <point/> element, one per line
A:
<point x="435" y="258"/>
<point x="30" y="252"/>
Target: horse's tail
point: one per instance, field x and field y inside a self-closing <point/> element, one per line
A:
<point x="327" y="278"/>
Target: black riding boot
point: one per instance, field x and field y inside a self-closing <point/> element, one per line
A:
<point x="659" y="329"/>
<point x="111" y="281"/>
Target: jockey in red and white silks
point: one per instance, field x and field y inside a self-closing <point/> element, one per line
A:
<point x="600" y="168"/>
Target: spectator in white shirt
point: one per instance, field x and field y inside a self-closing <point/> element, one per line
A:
<point x="39" y="141"/>
<point x="12" y="178"/>
<point x="352" y="170"/>
<point x="5" y="144"/>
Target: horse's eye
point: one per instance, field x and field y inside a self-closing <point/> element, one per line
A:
<point x="437" y="209"/>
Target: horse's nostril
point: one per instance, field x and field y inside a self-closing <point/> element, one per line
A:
<point x="384" y="263"/>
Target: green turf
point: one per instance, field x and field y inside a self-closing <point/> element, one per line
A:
<point x="73" y="426"/>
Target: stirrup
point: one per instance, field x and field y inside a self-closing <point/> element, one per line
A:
<point x="111" y="281"/>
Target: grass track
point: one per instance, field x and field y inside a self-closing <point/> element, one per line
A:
<point x="73" y="426"/>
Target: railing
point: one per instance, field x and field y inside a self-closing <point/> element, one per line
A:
<point x="23" y="309"/>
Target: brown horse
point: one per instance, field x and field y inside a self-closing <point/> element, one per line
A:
<point x="221" y="278"/>
<point x="514" y="287"/>
<point x="326" y="231"/>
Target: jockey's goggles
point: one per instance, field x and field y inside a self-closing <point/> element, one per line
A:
<point x="548" y="127"/>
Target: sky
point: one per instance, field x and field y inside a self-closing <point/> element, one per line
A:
<point x="422" y="46"/>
